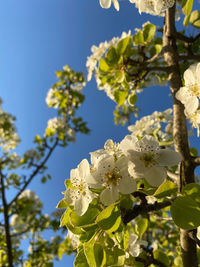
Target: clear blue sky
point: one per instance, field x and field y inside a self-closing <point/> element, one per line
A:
<point x="38" y="37"/>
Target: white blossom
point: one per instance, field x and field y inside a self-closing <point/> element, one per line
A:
<point x="147" y="160"/>
<point x="153" y="7"/>
<point x="107" y="4"/>
<point x="56" y="124"/>
<point x="195" y="120"/>
<point x="151" y="199"/>
<point x="134" y="245"/>
<point x="149" y="124"/>
<point x="111" y="174"/>
<point x="80" y="196"/>
<point x="190" y="93"/>
<point x="74" y="239"/>
<point x="51" y="98"/>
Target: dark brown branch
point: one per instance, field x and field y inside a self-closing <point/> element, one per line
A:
<point x="129" y="215"/>
<point x="6" y="222"/>
<point x="184" y="38"/>
<point x="35" y="172"/>
<point x="189" y="57"/>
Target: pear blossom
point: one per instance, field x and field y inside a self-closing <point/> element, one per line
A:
<point x="74" y="239"/>
<point x="56" y="124"/>
<point x="155" y="122"/>
<point x="107" y="4"/>
<point x="110" y="148"/>
<point x="195" y="120"/>
<point x="111" y="174"/>
<point x="134" y="245"/>
<point x="153" y="7"/>
<point x="190" y="93"/>
<point x="79" y="196"/>
<point x="147" y="160"/>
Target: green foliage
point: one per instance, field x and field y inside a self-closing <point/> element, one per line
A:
<point x="167" y="188"/>
<point x="141" y="226"/>
<point x="109" y="219"/>
<point x="195" y="19"/>
<point x="185" y="209"/>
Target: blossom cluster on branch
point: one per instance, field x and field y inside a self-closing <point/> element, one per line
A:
<point x="189" y="95"/>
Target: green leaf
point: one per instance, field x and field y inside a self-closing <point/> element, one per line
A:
<point x="141" y="226"/>
<point x="192" y="190"/>
<point x="123" y="45"/>
<point x="103" y="66"/>
<point x="109" y="219"/>
<point x="86" y="219"/>
<point x="65" y="217"/>
<point x="112" y="57"/>
<point x="138" y="38"/>
<point x="115" y="257"/>
<point x="120" y="96"/>
<point x="149" y="32"/>
<point x="193" y="152"/>
<point x="132" y="99"/>
<point x="186" y="212"/>
<point x="119" y="76"/>
<point x="186" y="20"/>
<point x="80" y="260"/>
<point x="89" y="254"/>
<point x="100" y="255"/>
<point x="195" y="19"/>
<point x="161" y="256"/>
<point x="95" y="254"/>
<point x="62" y="204"/>
<point x="187" y="7"/>
<point x="178" y="261"/>
<point x="167" y="188"/>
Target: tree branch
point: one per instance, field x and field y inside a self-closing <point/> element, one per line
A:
<point x="188" y="246"/>
<point x="35" y="172"/>
<point x="6" y="222"/>
<point x="143" y="208"/>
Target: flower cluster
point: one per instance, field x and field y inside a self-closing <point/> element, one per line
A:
<point x="99" y="51"/>
<point x="9" y="138"/>
<point x="158" y="124"/>
<point x="153" y="7"/>
<point x="115" y="170"/>
<point x="55" y="125"/>
<point x="189" y="94"/>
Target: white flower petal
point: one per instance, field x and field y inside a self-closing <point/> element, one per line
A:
<point x="116" y="4"/>
<point x="84" y="169"/>
<point x="127" y="185"/>
<point x="105" y="3"/>
<point x="191" y="104"/>
<point x="189" y="76"/>
<point x="74" y="177"/>
<point x="81" y="205"/>
<point x="109" y="196"/>
<point x="167" y="157"/>
<point x="94" y="181"/>
<point x="155" y="175"/>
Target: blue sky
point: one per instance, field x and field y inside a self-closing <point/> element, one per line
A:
<point x="39" y="37"/>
